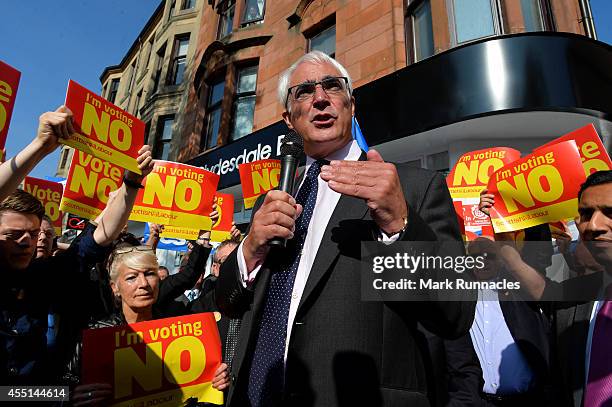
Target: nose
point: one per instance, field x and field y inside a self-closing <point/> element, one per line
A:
<point x="142" y="281"/>
<point x="321" y="99"/>
<point x="598" y="224"/>
<point x="25" y="240"/>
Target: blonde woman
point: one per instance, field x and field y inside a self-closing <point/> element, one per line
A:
<point x="135" y="283"/>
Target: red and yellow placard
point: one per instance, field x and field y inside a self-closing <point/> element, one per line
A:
<point x="176" y="194"/>
<point x="539" y="188"/>
<point x="592" y="151"/>
<point x="162" y="362"/>
<point x="225" y="206"/>
<point x="471" y="173"/>
<point x="104" y="130"/>
<point x="90" y="181"/>
<point x="49" y="194"/>
<point x="257" y="178"/>
<point x="9" y="82"/>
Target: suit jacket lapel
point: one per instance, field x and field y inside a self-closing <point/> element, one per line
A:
<point x="347" y="208"/>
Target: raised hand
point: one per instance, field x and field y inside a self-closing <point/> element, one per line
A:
<point x="486" y="202"/>
<point x="374" y="181"/>
<point x="53" y="126"/>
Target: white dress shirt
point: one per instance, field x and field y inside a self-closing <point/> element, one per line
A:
<point x="504" y="368"/>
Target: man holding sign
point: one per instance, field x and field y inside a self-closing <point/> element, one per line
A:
<point x="32" y="287"/>
<point x="286" y="353"/>
<point x="582" y="306"/>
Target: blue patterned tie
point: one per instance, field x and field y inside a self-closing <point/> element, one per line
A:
<point x="266" y="378"/>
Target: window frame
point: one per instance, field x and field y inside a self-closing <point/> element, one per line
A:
<point x="137" y="103"/>
<point x="64" y="160"/>
<point x="133" y="67"/>
<point x="410" y="34"/>
<point x="184" y="4"/>
<point x="176" y="59"/>
<point x="160" y="142"/>
<point x="209" y="109"/>
<point x="222" y="10"/>
<point x="244" y="22"/>
<point x="238" y="96"/>
<point x="113" y="91"/>
<point x="498" y="22"/>
<point x="545" y="13"/>
<point x="320" y="31"/>
<point x="159" y="67"/>
<point x="171" y="10"/>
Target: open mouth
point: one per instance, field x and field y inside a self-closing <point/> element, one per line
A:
<point x="323" y="120"/>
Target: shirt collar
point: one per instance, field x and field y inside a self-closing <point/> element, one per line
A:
<point x="350" y="152"/>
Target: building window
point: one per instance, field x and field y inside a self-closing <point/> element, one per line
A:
<point x="324" y="41"/>
<point x="253" y="11"/>
<point x="226" y="17"/>
<point x="137" y="104"/>
<point x="164" y="137"/>
<point x="213" y="113"/>
<point x="144" y="66"/>
<point x="114" y="87"/>
<point x="171" y="11"/>
<point x="419" y="25"/>
<point x="65" y="153"/>
<point x="474" y="19"/>
<point x="188" y="4"/>
<point x="179" y="60"/>
<point x="244" y="102"/>
<point x="132" y="76"/>
<point x="532" y="15"/>
<point x="159" y="64"/>
<point x="147" y="131"/>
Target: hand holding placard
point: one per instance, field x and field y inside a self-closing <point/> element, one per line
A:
<point x="102" y="129"/>
<point x="52" y="128"/>
<point x="539" y="188"/>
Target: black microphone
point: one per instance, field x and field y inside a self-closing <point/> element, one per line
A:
<point x="291" y="151"/>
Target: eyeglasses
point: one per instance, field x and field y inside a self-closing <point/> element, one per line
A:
<point x="17" y="235"/>
<point x="331" y="85"/>
<point x="129" y="249"/>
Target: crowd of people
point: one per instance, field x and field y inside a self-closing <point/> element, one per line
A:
<point x="295" y="330"/>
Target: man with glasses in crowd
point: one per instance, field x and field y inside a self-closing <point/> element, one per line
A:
<point x="307" y="338"/>
<point x="31" y="288"/>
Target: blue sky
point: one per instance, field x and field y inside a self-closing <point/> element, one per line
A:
<point x="53" y="41"/>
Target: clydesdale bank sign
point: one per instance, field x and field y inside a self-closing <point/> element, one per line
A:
<point x="259" y="145"/>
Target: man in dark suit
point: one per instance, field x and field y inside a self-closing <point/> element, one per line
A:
<point x="307" y="337"/>
<point x="509" y="337"/>
<point x="581" y="306"/>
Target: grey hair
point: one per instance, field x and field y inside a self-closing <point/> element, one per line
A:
<point x="136" y="260"/>
<point x="317" y="57"/>
<point x="225" y="243"/>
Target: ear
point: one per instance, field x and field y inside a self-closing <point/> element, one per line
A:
<point x="287" y="119"/>
<point x="114" y="287"/>
<point x="353" y="106"/>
